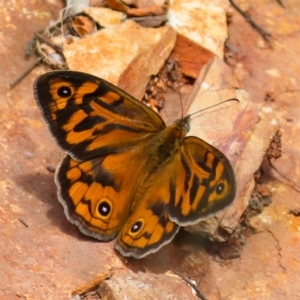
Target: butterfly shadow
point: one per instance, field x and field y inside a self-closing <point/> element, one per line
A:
<point x="186" y="254"/>
<point x="42" y="187"/>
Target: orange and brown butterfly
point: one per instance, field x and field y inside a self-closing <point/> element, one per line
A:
<point x="126" y="175"/>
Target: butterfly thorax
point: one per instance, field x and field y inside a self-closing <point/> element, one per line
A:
<point x="176" y="133"/>
<point x="168" y="142"/>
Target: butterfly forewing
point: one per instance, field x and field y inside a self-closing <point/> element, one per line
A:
<point x="90" y="117"/>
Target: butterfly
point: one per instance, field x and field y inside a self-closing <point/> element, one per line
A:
<point x="126" y="175"/>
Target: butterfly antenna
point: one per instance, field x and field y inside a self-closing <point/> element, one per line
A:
<point x="209" y="107"/>
<point x="177" y="68"/>
<point x="181" y="103"/>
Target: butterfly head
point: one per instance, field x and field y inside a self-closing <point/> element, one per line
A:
<point x="184" y="124"/>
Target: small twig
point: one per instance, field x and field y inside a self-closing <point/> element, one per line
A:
<point x="50" y="44"/>
<point x="266" y="35"/>
<point x="190" y="283"/>
<point x="23" y="222"/>
<point x="93" y="284"/>
<point x="25" y="73"/>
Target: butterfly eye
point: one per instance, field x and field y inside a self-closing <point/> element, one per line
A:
<point x="64" y="91"/>
<point x="220" y="188"/>
<point x="104" y="208"/>
<point x="137" y="226"/>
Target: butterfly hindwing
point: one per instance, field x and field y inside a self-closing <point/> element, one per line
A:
<point x="196" y="181"/>
<point x="204" y="182"/>
<point x="147" y="230"/>
<point x="149" y="227"/>
<point x="98" y="193"/>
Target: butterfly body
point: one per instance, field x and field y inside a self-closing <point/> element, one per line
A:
<point x="126" y="174"/>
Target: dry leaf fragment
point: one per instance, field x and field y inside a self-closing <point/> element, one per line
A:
<point x="83" y="25"/>
<point x="139" y="11"/>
